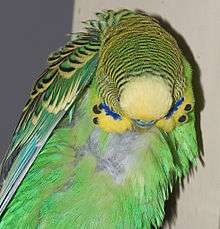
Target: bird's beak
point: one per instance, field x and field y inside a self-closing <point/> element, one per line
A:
<point x="143" y="124"/>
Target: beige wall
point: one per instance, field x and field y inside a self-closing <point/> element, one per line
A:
<point x="198" y="22"/>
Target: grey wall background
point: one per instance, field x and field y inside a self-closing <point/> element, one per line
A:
<point x="29" y="31"/>
<point x="198" y="21"/>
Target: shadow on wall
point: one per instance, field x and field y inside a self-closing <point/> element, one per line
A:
<point x="171" y="204"/>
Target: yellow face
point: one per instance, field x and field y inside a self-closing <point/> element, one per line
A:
<point x="146" y="98"/>
<point x="145" y="102"/>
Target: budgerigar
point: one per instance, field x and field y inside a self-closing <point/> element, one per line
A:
<point x="107" y="132"/>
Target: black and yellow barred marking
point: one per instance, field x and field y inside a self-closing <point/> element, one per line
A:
<point x="63" y="63"/>
<point x="56" y="86"/>
<point x="137" y="44"/>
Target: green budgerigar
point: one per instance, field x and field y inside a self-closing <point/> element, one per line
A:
<point x="107" y="132"/>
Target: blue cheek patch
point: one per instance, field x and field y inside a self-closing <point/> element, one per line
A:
<point x="174" y="108"/>
<point x="109" y="112"/>
<point x="141" y="123"/>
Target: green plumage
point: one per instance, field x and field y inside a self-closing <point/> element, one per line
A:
<point x="84" y="177"/>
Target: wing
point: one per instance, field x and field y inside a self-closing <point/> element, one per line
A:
<point x="69" y="71"/>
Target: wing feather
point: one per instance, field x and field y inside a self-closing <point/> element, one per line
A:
<point x="53" y="94"/>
